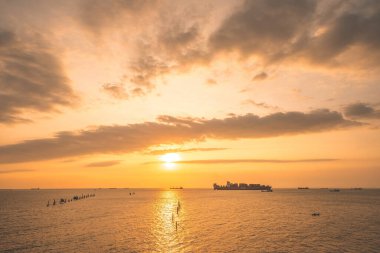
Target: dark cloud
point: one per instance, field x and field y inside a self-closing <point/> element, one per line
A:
<point x="171" y="130"/>
<point x="97" y="15"/>
<point x="176" y="37"/>
<point x="259" y="77"/>
<point x="179" y="150"/>
<point x="357" y="26"/>
<point x="318" y="31"/>
<point x="361" y="111"/>
<point x="116" y="90"/>
<point x="268" y="28"/>
<point x="31" y="78"/>
<point x="103" y="164"/>
<point x="225" y="161"/>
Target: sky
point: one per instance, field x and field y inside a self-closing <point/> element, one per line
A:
<point x="135" y="93"/>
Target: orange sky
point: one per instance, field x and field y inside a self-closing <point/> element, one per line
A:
<point x="94" y="93"/>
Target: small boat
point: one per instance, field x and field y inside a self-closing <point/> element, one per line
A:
<point x="315" y="214"/>
<point x="303" y="188"/>
<point x="334" y="190"/>
<point x="176" y="188"/>
<point x="268" y="190"/>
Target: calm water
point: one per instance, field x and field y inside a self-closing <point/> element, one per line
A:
<point x="208" y="221"/>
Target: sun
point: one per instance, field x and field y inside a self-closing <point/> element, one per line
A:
<point x="170" y="160"/>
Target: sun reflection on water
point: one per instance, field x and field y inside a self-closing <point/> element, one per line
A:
<point x="168" y="229"/>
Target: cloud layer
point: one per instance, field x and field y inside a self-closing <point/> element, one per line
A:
<point x="171" y="130"/>
<point x="31" y="78"/>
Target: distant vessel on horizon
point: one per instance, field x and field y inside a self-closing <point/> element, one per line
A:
<point x="243" y="186"/>
<point x="303" y="188"/>
<point x="176" y="188"/>
<point x="335" y="190"/>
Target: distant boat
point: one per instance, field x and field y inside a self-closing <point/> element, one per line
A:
<point x="176" y="188"/>
<point x="303" y="188"/>
<point x="334" y="190"/>
<point x="267" y="190"/>
<point x="315" y="214"/>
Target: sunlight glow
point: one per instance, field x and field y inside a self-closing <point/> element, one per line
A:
<point x="170" y="159"/>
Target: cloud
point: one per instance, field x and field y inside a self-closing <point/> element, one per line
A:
<point x="361" y="111"/>
<point x="260" y="77"/>
<point x="260" y="105"/>
<point x="144" y="71"/>
<point x="211" y="82"/>
<point x="31" y="78"/>
<point x="14" y="171"/>
<point x="165" y="37"/>
<point x="226" y="161"/>
<point x="171" y="130"/>
<point x="265" y="28"/>
<point x="103" y="164"/>
<point x="179" y="150"/>
<point x="317" y="31"/>
<point x="115" y="90"/>
<point x="98" y="15"/>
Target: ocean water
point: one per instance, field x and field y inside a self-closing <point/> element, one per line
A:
<point x="207" y="221"/>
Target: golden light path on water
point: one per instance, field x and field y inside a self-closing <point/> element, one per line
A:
<point x="168" y="228"/>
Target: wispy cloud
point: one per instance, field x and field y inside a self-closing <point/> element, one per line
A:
<point x="104" y="163"/>
<point x="10" y="171"/>
<point x="115" y="90"/>
<point x="227" y="161"/>
<point x="259" y="104"/>
<point x="260" y="76"/>
<point x="179" y="150"/>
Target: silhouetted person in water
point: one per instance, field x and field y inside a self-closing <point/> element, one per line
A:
<point x="54" y="203"/>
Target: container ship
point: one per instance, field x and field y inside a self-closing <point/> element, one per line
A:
<point x="242" y="186"/>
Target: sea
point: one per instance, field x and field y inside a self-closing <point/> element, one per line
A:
<point x="190" y="220"/>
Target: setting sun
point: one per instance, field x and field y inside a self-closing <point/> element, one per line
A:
<point x="170" y="159"/>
